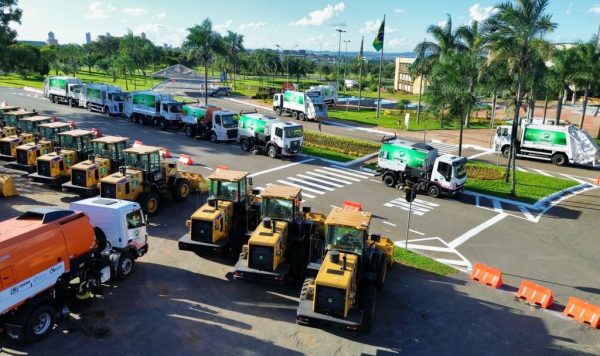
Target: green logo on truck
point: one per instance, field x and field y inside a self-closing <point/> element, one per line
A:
<point x="144" y="100"/>
<point x="57" y="83"/>
<point x="291" y="96"/>
<point x="92" y="93"/>
<point x="404" y="155"/>
<point x="541" y="136"/>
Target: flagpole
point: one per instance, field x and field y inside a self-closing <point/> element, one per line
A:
<point x="360" y="65"/>
<point x="379" y="84"/>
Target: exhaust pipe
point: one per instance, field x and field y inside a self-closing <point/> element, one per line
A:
<point x="123" y="170"/>
<point x="57" y="150"/>
<point x="344" y="263"/>
<point x="334" y="257"/>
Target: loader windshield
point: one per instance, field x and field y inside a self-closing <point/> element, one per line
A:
<point x="346" y="239"/>
<point x="109" y="150"/>
<point x="279" y="209"/>
<point x="223" y="190"/>
<point x="76" y="143"/>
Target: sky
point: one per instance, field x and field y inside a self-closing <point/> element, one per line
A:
<point x="307" y="24"/>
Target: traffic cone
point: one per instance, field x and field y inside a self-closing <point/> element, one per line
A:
<point x="137" y="143"/>
<point x="186" y="159"/>
<point x="223" y="167"/>
<point x="164" y="153"/>
<point x="74" y="125"/>
<point x="97" y="132"/>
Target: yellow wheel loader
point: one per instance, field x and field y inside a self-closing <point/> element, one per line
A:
<point x="342" y="291"/>
<point x="44" y="142"/>
<point x="221" y="225"/>
<point x="54" y="168"/>
<point x="6" y="108"/>
<point x="107" y="156"/>
<point x="145" y="178"/>
<point x="9" y="144"/>
<point x="280" y="248"/>
<point x="11" y="118"/>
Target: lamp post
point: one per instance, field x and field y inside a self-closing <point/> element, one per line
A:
<point x="287" y="59"/>
<point x="345" y="60"/>
<point x="337" y="69"/>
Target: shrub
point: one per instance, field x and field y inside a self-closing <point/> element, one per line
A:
<point x="340" y="144"/>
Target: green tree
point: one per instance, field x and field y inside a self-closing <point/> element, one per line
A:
<point x="514" y="31"/>
<point x="562" y="71"/>
<point x="69" y="58"/>
<point x="203" y="44"/>
<point x="234" y="45"/>
<point x="49" y="55"/>
<point x="24" y="59"/>
<point x="587" y="71"/>
<point x="9" y="14"/>
<point x="474" y="45"/>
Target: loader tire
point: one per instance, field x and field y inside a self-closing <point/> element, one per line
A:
<point x="150" y="202"/>
<point x="368" y="302"/>
<point x="181" y="190"/>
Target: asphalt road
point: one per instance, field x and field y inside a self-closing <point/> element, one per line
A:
<point x="418" y="312"/>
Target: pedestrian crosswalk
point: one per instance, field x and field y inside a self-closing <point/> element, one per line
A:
<point x="419" y="207"/>
<point x="444" y="148"/>
<point x="325" y="179"/>
<point x="30" y="95"/>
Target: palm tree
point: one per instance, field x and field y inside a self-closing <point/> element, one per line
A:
<point x="514" y="31"/>
<point x="203" y="43"/>
<point x="421" y="68"/>
<point x="495" y="79"/>
<point x="562" y="70"/>
<point x="474" y="44"/>
<point x="587" y="70"/>
<point x="234" y="44"/>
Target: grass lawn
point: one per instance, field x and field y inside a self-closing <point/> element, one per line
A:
<point x="530" y="187"/>
<point x="327" y="154"/>
<point x="411" y="259"/>
<point x="13" y="80"/>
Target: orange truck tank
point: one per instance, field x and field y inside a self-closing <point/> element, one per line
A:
<point x="41" y="252"/>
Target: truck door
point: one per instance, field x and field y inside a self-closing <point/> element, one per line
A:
<point x="217" y="125"/>
<point x="136" y="228"/>
<point x="278" y="137"/>
<point x="443" y="172"/>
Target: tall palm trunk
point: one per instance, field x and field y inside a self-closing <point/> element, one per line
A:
<point x="585" y="101"/>
<point x="559" y="107"/>
<point x="420" y="94"/>
<point x="514" y="130"/>
<point x="468" y="116"/>
<point x="205" y="81"/>
<point x="545" y="108"/>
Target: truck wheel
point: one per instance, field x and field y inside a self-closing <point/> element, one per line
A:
<point x="295" y="115"/>
<point x="189" y="130"/>
<point x="89" y="107"/>
<point x="506" y="151"/>
<point x="141" y="120"/>
<point x="150" y="202"/>
<point x="382" y="272"/>
<point x="213" y="137"/>
<point x="39" y="323"/>
<point x="278" y="111"/>
<point x="162" y="124"/>
<point x="55" y="99"/>
<point x="106" y="111"/>
<point x="71" y="102"/>
<point x="559" y="159"/>
<point x="245" y="143"/>
<point x="368" y="302"/>
<point x="301" y="116"/>
<point x="272" y="151"/>
<point x="181" y="190"/>
<point x="389" y="180"/>
<point x="125" y="265"/>
<point x="433" y="191"/>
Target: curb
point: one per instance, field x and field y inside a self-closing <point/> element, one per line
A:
<point x="33" y="90"/>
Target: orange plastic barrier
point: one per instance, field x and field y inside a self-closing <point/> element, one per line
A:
<point x="223" y="168"/>
<point x="186" y="159"/>
<point x="74" y="125"/>
<point x="598" y="180"/>
<point x="137" y="143"/>
<point x="350" y="205"/>
<point x="164" y="153"/>
<point x="487" y="275"/>
<point x="535" y="294"/>
<point x="583" y="312"/>
<point x="97" y="132"/>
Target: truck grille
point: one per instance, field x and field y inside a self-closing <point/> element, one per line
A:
<point x="21" y="156"/>
<point x="5" y="148"/>
<point x="330" y="301"/>
<point x="295" y="145"/>
<point x="261" y="258"/>
<point x="201" y="231"/>
<point x="232" y="133"/>
<point x="78" y="177"/>
<point x="108" y="190"/>
<point x="43" y="168"/>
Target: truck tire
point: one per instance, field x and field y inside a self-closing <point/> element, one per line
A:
<point x="189" y="130"/>
<point x="368" y="302"/>
<point x="272" y="151"/>
<point x="181" y="190"/>
<point x="245" y="144"/>
<point x="150" y="202"/>
<point x="295" y="115"/>
<point x="433" y="191"/>
<point x="389" y="180"/>
<point x="301" y="116"/>
<point x="89" y="107"/>
<point x="382" y="272"/>
<point x="278" y="111"/>
<point x="162" y="124"/>
<point x="213" y="137"/>
<point x="39" y="323"/>
<point x="71" y="102"/>
<point x="506" y="151"/>
<point x="55" y="99"/>
<point x="125" y="265"/>
<point x="559" y="159"/>
<point x="106" y="111"/>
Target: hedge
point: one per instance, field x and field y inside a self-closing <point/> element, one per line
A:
<point x="344" y="145"/>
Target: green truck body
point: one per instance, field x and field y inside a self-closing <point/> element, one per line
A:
<point x="252" y="123"/>
<point x="538" y="136"/>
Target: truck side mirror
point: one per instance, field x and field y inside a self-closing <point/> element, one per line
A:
<point x="188" y="223"/>
<point x="145" y="219"/>
<point x="306" y="209"/>
<point x="250" y="181"/>
<point x="375" y="237"/>
<point x="255" y="192"/>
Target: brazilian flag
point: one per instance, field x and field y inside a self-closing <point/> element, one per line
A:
<point x="378" y="41"/>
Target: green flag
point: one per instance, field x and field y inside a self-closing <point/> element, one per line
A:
<point x="360" y="54"/>
<point x="378" y="41"/>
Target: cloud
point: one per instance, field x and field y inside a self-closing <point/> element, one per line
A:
<point x="442" y="23"/>
<point x="400" y="11"/>
<point x="98" y="10"/>
<point x="397" y="43"/>
<point x="373" y="26"/>
<point x="161" y="34"/>
<point x="251" y="26"/>
<point x="134" y="11"/>
<point x="479" y="13"/>
<point x="595" y="9"/>
<point x="318" y="17"/>
<point x="161" y="15"/>
<point x="223" y="27"/>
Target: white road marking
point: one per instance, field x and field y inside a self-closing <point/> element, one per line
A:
<point x="344" y="172"/>
<point x="526" y="213"/>
<point x="573" y="178"/>
<point x="454" y="262"/>
<point x="388" y="223"/>
<point x="403" y="205"/>
<point x="303" y="188"/>
<point x="328" y="177"/>
<point x="521" y="169"/>
<point x="354" y="171"/>
<point x="476" y="230"/>
<point x="333" y="206"/>
<point x="414" y="211"/>
<point x="479" y="155"/>
<point x="310" y="183"/>
<point x="541" y="172"/>
<point x="210" y="169"/>
<point x="416" y="232"/>
<point x="497" y="206"/>
<point x="376" y="181"/>
<point x="320" y="180"/>
<point x="336" y="175"/>
<point x="430" y="248"/>
<point x="281" y="167"/>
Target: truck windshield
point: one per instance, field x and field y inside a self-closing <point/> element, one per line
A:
<point x="175" y="108"/>
<point x="277" y="209"/>
<point x="293" y="132"/>
<point x="346" y="239"/>
<point x="230" y="121"/>
<point x="224" y="190"/>
<point x="116" y="97"/>
<point x="134" y="219"/>
<point x="460" y="169"/>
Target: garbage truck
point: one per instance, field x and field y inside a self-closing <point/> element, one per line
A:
<point x="301" y="106"/>
<point x="560" y="145"/>
<point x="150" y="107"/>
<point x="267" y="134"/>
<point x="58" y="89"/>
<point x="210" y="122"/>
<point x="407" y="164"/>
<point x="329" y="93"/>
<point x="104" y="98"/>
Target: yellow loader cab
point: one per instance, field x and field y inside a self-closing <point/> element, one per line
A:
<point x="27" y="154"/>
<point x="145" y="178"/>
<point x="9" y="144"/>
<point x="11" y="118"/>
<point x="222" y="224"/>
<point x="107" y="156"/>
<point x="281" y="246"/>
<point x="344" y="291"/>
<point x="30" y="124"/>
<point x="54" y="168"/>
<point x="6" y="108"/>
<point x="7" y="131"/>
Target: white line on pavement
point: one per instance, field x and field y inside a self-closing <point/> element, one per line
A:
<point x="320" y="180"/>
<point x="497" y="206"/>
<point x="310" y="183"/>
<point x="430" y="248"/>
<point x="336" y="175"/>
<point x="344" y="172"/>
<point x="476" y="230"/>
<point x="355" y="171"/>
<point x="388" y="223"/>
<point x="281" y="167"/>
<point x="328" y="177"/>
<point x="521" y="169"/>
<point x="541" y="172"/>
<point x="454" y="262"/>
<point x="376" y="181"/>
<point x="416" y="232"/>
<point x="573" y="178"/>
<point x="303" y="188"/>
<point x="479" y="155"/>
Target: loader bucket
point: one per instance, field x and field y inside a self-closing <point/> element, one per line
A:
<point x="7" y="186"/>
<point x="197" y="181"/>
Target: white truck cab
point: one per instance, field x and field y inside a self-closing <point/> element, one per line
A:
<point x="449" y="173"/>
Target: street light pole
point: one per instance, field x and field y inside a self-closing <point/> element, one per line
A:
<point x="337" y="67"/>
<point x="287" y="59"/>
<point x="345" y="60"/>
